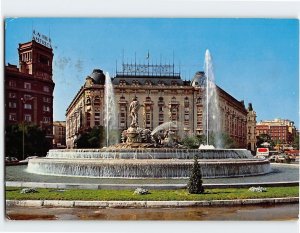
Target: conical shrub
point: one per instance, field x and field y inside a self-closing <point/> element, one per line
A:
<point x="195" y="182"/>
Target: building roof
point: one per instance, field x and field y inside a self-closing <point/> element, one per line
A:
<point x="98" y="76"/>
<point x="199" y="79"/>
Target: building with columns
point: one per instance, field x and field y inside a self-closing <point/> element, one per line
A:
<point x="29" y="87"/>
<point x="164" y="97"/>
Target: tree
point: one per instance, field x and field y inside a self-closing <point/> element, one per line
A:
<point x="195" y="182"/>
<point x="228" y="142"/>
<point x="193" y="142"/>
<point x="35" y="141"/>
<point x="264" y="138"/>
<point x="91" y="139"/>
<point x="295" y="143"/>
<point x="13" y="141"/>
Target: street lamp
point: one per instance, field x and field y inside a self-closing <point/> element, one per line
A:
<point x="23" y="126"/>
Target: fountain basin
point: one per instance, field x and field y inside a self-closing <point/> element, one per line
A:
<point x="148" y="163"/>
<point x="150" y="153"/>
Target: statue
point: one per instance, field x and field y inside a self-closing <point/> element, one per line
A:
<point x="133" y="109"/>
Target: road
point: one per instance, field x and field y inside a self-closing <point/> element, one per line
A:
<point x="274" y="212"/>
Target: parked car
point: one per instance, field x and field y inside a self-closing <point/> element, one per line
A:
<point x="11" y="160"/>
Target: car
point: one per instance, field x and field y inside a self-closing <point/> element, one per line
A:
<point x="11" y="160"/>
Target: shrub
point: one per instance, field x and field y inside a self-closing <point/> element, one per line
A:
<point x="195" y="182"/>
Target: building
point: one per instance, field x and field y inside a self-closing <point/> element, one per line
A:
<point x="59" y="134"/>
<point x="251" y="129"/>
<point x="29" y="87"/>
<point x="164" y="97"/>
<point x="281" y="131"/>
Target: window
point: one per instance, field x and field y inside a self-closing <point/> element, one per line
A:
<point x="46" y="100"/>
<point x="27" y="106"/>
<point x="27" y="97"/>
<point x="97" y="118"/>
<point x="12" y="95"/>
<point x="12" y="104"/>
<point x="12" y="83"/>
<point x="88" y="120"/>
<point x="46" y="119"/>
<point x="46" y="108"/>
<point x="46" y="89"/>
<point x="27" y="86"/>
<point x="27" y="117"/>
<point x="97" y="101"/>
<point x="161" y="118"/>
<point x="12" y="117"/>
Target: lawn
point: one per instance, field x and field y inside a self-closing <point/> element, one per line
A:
<point x="13" y="193"/>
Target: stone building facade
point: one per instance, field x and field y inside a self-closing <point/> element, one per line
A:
<point x="29" y="87"/>
<point x="163" y="96"/>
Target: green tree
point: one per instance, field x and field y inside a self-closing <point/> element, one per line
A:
<point x="295" y="143"/>
<point x="35" y="141"/>
<point x="91" y="139"/>
<point x="193" y="142"/>
<point x="262" y="138"/>
<point x="13" y="141"/>
<point x="195" y="182"/>
<point x="228" y="142"/>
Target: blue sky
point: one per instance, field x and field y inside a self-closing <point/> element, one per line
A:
<point x="255" y="60"/>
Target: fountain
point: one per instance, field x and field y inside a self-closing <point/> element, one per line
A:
<point x="211" y="119"/>
<point x="146" y="154"/>
<point x="110" y="113"/>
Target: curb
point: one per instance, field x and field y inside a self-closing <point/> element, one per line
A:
<point x="146" y="186"/>
<point x="148" y="204"/>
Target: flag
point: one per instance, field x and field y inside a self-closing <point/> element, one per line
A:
<point x="148" y="55"/>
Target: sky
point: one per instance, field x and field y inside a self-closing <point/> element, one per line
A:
<point x="255" y="60"/>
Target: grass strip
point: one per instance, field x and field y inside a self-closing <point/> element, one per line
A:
<point x="13" y="193"/>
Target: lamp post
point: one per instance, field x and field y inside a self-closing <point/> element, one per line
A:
<point x="23" y="125"/>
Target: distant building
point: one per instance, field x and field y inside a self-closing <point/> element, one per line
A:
<point x="251" y="128"/>
<point x="164" y="97"/>
<point x="282" y="131"/>
<point x="59" y="134"/>
<point x="29" y="87"/>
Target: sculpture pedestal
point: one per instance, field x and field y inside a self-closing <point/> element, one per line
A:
<point x="132" y="135"/>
